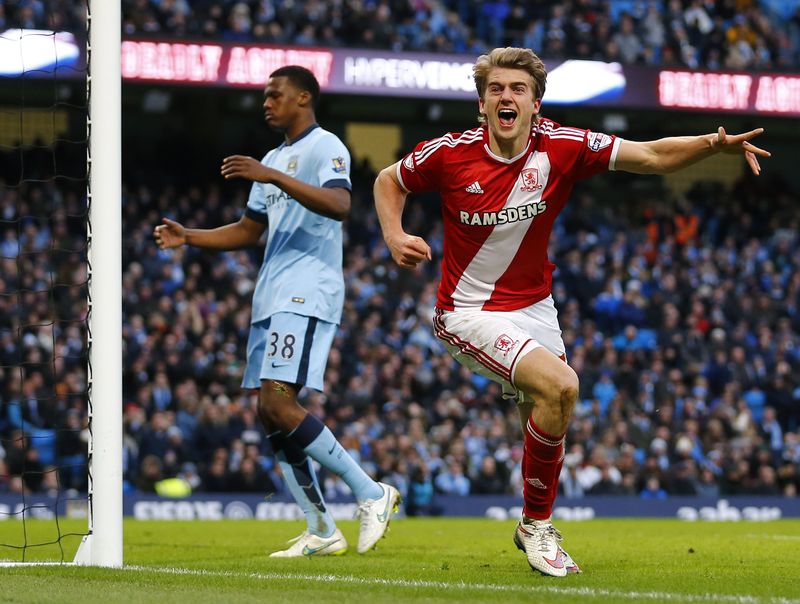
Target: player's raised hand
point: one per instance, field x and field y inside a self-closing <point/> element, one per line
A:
<point x="170" y="234"/>
<point x="242" y="166"/>
<point x="408" y="250"/>
<point x="740" y="144"/>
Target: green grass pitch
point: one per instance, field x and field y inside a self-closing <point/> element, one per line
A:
<point x="421" y="560"/>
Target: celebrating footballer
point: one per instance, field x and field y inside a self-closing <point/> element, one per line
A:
<point x="502" y="185"/>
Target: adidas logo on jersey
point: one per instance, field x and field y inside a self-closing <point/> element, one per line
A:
<point x="474" y="188"/>
<point x="535" y="482"/>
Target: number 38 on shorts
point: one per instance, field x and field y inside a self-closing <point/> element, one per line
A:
<point x="288" y="348"/>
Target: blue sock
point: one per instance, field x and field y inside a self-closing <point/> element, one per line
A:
<point x="320" y="443"/>
<point x="300" y="477"/>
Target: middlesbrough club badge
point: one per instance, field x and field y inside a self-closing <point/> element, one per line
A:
<point x="505" y="344"/>
<point x="530" y="179"/>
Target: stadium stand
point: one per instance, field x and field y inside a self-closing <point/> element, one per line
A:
<point x="695" y="33"/>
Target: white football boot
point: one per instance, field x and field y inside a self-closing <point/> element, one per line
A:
<point x="540" y="541"/>
<point x="310" y="545"/>
<point x="374" y="516"/>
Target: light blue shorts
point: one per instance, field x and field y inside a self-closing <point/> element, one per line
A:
<point x="288" y="348"/>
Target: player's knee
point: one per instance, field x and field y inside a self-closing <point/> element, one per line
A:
<point x="568" y="393"/>
<point x="569" y="387"/>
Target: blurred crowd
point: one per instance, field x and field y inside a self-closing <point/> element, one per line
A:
<point x="43" y="311"/>
<point x="680" y="315"/>
<point x="708" y="34"/>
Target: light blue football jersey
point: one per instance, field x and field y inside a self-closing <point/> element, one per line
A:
<point x="302" y="268"/>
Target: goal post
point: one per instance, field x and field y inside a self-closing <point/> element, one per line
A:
<point x="102" y="546"/>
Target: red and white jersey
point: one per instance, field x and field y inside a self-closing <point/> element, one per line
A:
<point x="498" y="213"/>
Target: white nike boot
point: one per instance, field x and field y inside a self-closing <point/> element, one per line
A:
<point x="374" y="516"/>
<point x="313" y="545"/>
<point x="540" y="541"/>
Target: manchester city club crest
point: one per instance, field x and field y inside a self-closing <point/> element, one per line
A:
<point x="291" y="167"/>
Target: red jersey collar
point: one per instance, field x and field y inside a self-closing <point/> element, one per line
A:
<point x="504" y="160"/>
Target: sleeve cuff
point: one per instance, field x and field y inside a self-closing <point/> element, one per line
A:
<point x="612" y="162"/>
<point x="400" y="178"/>
<point x="257" y="216"/>
<point x="338" y="183"/>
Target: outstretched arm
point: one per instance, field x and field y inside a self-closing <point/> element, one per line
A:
<point x="232" y="236"/>
<point x="390" y="199"/>
<point x="673" y="153"/>
<point x="331" y="202"/>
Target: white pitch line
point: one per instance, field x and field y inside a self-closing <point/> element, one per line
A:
<point x="8" y="564"/>
<point x="774" y="537"/>
<point x="588" y="592"/>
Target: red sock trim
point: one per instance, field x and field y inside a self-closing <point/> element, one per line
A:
<point x="542" y="436"/>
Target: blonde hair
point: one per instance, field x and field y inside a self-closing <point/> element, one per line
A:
<point x="511" y="58"/>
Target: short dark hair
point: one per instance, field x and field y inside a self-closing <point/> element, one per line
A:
<point x="301" y="78"/>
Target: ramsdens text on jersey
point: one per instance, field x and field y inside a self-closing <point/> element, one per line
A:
<point x="504" y="216"/>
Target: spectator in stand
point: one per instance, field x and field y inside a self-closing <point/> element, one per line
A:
<point x="150" y="474"/>
<point x="682" y="479"/>
<point x="568" y="484"/>
<point x="773" y="434"/>
<point x="488" y="480"/>
<point x="608" y="482"/>
<point x="452" y="480"/>
<point x="706" y="484"/>
<point x="71" y="452"/>
<point x="22" y="461"/>
<point x="628" y="43"/>
<point x="421" y="499"/>
<point x="250" y="478"/>
<point x="653" y="490"/>
<point x="766" y="482"/>
<point x="216" y="478"/>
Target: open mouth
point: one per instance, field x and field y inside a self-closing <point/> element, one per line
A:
<point x="507" y="117"/>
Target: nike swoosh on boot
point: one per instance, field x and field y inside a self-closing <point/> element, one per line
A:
<point x="310" y="551"/>
<point x="557" y="562"/>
